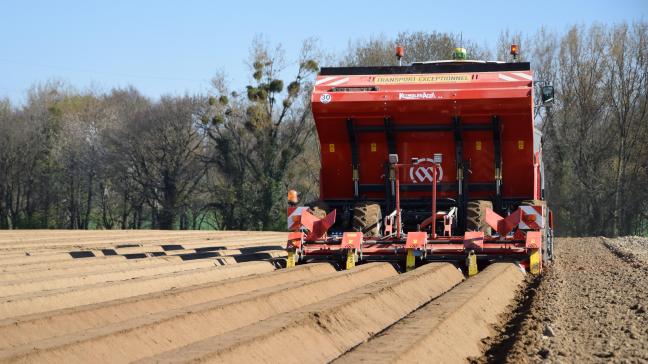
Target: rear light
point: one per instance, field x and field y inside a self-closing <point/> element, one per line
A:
<point x="514" y="50"/>
<point x="400" y="52"/>
<point x="292" y="196"/>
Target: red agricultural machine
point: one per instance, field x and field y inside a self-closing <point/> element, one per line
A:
<point x="433" y="161"/>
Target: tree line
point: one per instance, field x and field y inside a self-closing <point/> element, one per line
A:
<point x="224" y="159"/>
<point x="119" y="160"/>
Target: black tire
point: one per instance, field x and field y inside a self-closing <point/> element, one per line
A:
<point x="366" y="218"/>
<point x="476" y="216"/>
<point x="547" y="235"/>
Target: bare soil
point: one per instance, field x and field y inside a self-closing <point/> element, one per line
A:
<point x="47" y="300"/>
<point x="448" y="329"/>
<point x="29" y="329"/>
<point x="591" y="306"/>
<point x="320" y="332"/>
<point x="632" y="249"/>
<point x="121" y="296"/>
<point x="166" y="330"/>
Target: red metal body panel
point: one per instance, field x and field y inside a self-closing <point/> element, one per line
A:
<point x="352" y="240"/>
<point x="474" y="240"/>
<point x="533" y="240"/>
<point x="416" y="240"/>
<point x="426" y="99"/>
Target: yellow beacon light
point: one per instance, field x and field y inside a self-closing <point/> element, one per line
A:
<point x="459" y="53"/>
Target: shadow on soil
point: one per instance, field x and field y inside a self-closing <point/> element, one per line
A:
<point x="501" y="345"/>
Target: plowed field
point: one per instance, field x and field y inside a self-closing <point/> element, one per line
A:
<point x="148" y="296"/>
<point x="590" y="307"/>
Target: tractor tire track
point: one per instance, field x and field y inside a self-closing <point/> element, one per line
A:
<point x="590" y="307"/>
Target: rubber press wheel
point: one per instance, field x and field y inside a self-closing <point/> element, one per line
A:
<point x="366" y="218"/>
<point x="476" y="216"/>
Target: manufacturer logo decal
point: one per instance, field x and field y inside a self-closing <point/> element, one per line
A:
<point x="421" y="171"/>
<point x="325" y="98"/>
<point x="418" y="96"/>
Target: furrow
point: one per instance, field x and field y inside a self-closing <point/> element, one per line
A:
<point x="449" y="329"/>
<point x="26" y="329"/>
<point x="115" y="274"/>
<point x="321" y="332"/>
<point x="155" y="333"/>
<point x="35" y="302"/>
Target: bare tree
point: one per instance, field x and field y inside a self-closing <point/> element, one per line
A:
<point x="596" y="131"/>
<point x="122" y="198"/>
<point x="164" y="149"/>
<point x="419" y="47"/>
<point x="27" y="138"/>
<point x="506" y="39"/>
<point x="258" y="138"/>
<point x="626" y="84"/>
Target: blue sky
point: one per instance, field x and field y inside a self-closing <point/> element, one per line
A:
<point x="173" y="47"/>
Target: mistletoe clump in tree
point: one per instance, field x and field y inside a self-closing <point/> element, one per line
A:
<point x="260" y="138"/>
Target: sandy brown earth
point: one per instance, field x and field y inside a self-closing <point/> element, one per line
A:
<point x="633" y="249"/>
<point x="448" y="329"/>
<point x="223" y="297"/>
<point x="155" y="296"/>
<point x="590" y="307"/>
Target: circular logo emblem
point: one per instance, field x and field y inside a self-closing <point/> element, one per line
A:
<point x="423" y="173"/>
<point x="325" y="98"/>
